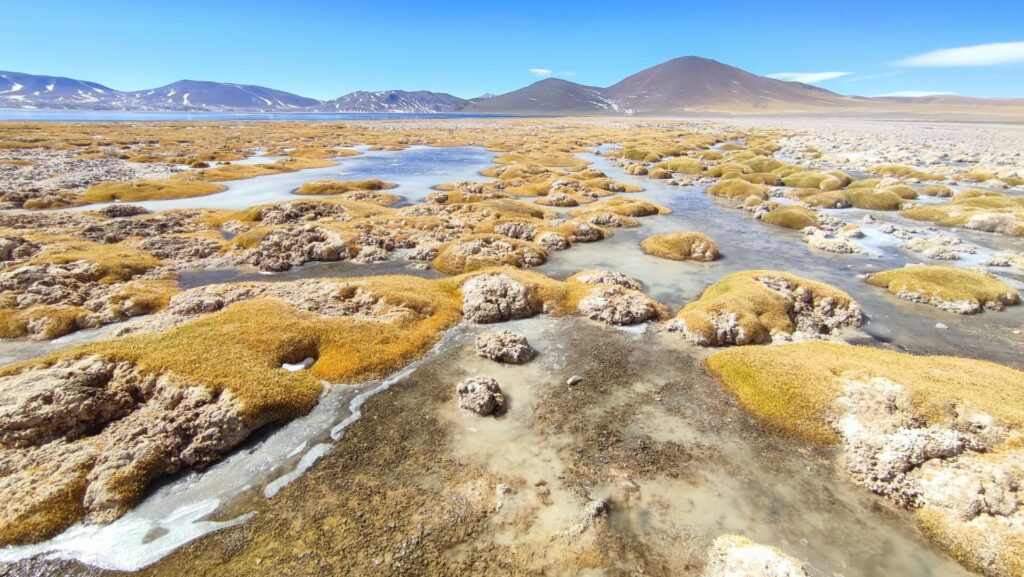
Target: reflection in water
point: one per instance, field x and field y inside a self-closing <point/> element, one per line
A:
<point x="415" y="170"/>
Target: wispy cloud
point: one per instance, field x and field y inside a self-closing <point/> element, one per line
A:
<point x="808" y="77"/>
<point x="977" y="55"/>
<point x="864" y="77"/>
<point x="915" y="93"/>
<point x="543" y="72"/>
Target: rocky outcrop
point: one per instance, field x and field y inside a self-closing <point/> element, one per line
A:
<point x="122" y="210"/>
<point x="81" y="440"/>
<point x="831" y="242"/>
<point x="16" y="249"/>
<point x="170" y="222"/>
<point x="298" y="212"/>
<point x="323" y="297"/>
<point x="481" y="395"/>
<point x="736" y="556"/>
<point x="504" y="347"/>
<point x="517" y="229"/>
<point x="552" y="241"/>
<point x="616" y="305"/>
<point x="293" y="246"/>
<point x="182" y="248"/>
<point x="966" y="497"/>
<point x="495" y="297"/>
<point x="813" y="316"/>
<point x="607" y="277"/>
<point x="940" y="247"/>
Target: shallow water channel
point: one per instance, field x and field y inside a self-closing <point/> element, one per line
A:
<point x="722" y="472"/>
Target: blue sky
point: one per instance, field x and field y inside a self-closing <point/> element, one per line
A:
<point x="324" y="49"/>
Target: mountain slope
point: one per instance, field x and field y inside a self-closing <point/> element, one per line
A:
<point x="420" y="101"/>
<point x="204" y="95"/>
<point x="551" y="96"/>
<point x="691" y="81"/>
<point x="20" y="90"/>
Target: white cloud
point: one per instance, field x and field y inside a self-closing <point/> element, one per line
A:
<point x="808" y="77"/>
<point x="977" y="55"/>
<point x="915" y="93"/>
<point x="541" y="72"/>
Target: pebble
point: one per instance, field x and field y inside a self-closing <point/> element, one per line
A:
<point x="574" y="380"/>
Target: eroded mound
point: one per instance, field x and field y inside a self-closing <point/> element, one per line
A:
<point x="951" y="289"/>
<point x="752" y="307"/>
<point x="935" y="434"/>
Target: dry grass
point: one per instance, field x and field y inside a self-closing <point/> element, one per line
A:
<point x="242" y="171"/>
<point x="147" y="190"/>
<point x="342" y="186"/>
<point x="978" y="210"/>
<point x="682" y="165"/>
<point x="241" y="348"/>
<point x="903" y="171"/>
<point x="623" y="206"/>
<point x="114" y="262"/>
<point x="738" y="189"/>
<point x="317" y="153"/>
<point x="792" y="216"/>
<point x="817" y="197"/>
<point x="792" y="387"/>
<point x="871" y="199"/>
<point x="681" y="246"/>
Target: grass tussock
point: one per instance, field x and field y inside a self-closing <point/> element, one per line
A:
<point x="681" y="246"/>
<point x="792" y="387"/>
<point x="976" y="209"/>
<point x="242" y="347"/>
<point x="623" y="206"/>
<point x="114" y="262"/>
<point x="906" y="172"/>
<point x="947" y="283"/>
<point x="684" y="165"/>
<point x="871" y="199"/>
<point x="816" y="197"/>
<point x="792" y="216"/>
<point x="147" y="190"/>
<point x="760" y="311"/>
<point x="318" y="187"/>
<point x="738" y="189"/>
<point x="242" y="171"/>
<point x="455" y="257"/>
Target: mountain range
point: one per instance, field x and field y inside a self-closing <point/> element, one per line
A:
<point x="680" y="85"/>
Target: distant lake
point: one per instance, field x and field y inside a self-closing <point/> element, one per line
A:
<point x="38" y="115"/>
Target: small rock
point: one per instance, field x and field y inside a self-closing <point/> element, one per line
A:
<point x="504" y="347"/>
<point x="574" y="380"/>
<point x="481" y="395"/>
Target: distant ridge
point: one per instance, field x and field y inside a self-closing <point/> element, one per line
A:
<point x="678" y="86"/>
<point x="203" y="95"/>
<point x="420" y="101"/>
<point x="551" y="96"/>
